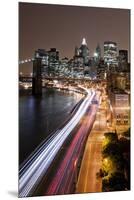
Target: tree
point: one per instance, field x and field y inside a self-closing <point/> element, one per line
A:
<point x="116" y="162"/>
<point x="110" y="137"/>
<point x="124" y="145"/>
<point x="115" y="182"/>
<point x="112" y="148"/>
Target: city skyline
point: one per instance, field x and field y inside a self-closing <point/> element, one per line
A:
<point x="54" y="27"/>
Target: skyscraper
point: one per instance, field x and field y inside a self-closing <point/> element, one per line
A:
<point x="84" y="51"/>
<point x="110" y="52"/>
<point x="53" y="61"/>
<point x="98" y="51"/>
<point x="43" y="55"/>
<point x="97" y="54"/>
<point x="53" y="55"/>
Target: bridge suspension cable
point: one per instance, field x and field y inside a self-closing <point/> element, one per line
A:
<point x="26" y="61"/>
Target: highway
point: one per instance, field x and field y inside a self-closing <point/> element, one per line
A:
<point x="35" y="168"/>
<point x="92" y="158"/>
<point x="67" y="173"/>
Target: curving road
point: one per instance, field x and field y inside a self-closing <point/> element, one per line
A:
<point x="65" y="178"/>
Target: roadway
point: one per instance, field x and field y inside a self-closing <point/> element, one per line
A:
<point x="35" y="168"/>
<point x="66" y="176"/>
<point x="91" y="163"/>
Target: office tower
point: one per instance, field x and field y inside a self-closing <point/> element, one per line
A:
<point x="110" y="52"/>
<point x="97" y="54"/>
<point x="84" y="51"/>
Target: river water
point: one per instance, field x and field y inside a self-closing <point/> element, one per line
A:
<point x="40" y="116"/>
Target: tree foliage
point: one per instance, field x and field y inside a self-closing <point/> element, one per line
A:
<point x="116" y="162"/>
<point x="112" y="148"/>
<point x="115" y="182"/>
<point x="111" y="136"/>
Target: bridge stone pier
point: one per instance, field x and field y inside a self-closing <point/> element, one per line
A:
<point x="37" y="77"/>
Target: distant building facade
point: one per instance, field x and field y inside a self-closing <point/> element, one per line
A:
<point x="120" y="102"/>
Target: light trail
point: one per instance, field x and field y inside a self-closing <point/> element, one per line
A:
<point x="61" y="183"/>
<point x="37" y="166"/>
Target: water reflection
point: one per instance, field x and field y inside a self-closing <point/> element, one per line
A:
<point x="39" y="116"/>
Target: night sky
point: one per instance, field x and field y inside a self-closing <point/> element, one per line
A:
<point x="63" y="27"/>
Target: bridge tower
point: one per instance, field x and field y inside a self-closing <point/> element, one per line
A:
<point x="37" y="78"/>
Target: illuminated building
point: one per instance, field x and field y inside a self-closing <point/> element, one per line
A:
<point x="97" y="54"/>
<point x="119" y="96"/>
<point x="64" y="66"/>
<point x="84" y="51"/>
<point x="43" y="54"/>
<point x="53" y="55"/>
<point x="81" y="59"/>
<point x="53" y="61"/>
<point x="120" y="101"/>
<point x="49" y="60"/>
<point x="110" y="52"/>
